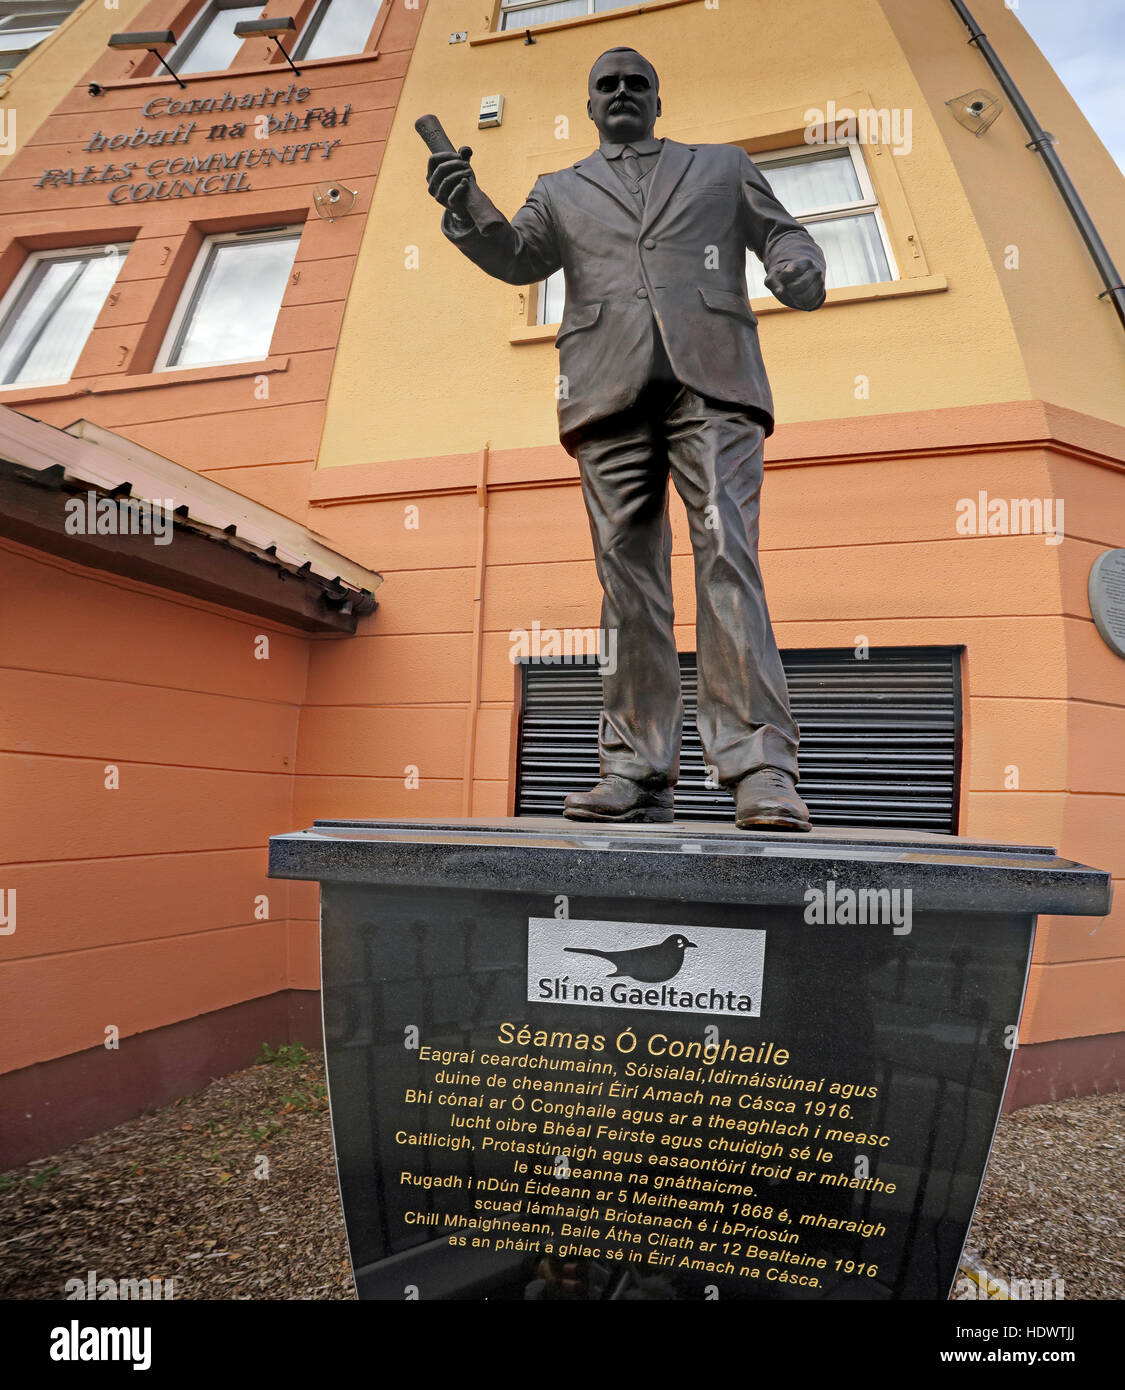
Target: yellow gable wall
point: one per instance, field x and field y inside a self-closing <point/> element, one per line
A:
<point x="425" y="365"/>
<point x="49" y="71"/>
<point x="1072" y="342"/>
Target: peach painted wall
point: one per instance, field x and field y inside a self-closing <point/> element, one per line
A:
<point x="859" y="537"/>
<point x="138" y="906"/>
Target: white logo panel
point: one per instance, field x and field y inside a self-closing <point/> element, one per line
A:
<point x="644" y="965"/>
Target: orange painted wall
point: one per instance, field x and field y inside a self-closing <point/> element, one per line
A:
<point x="137" y="906"/>
<point x="859" y="537"/>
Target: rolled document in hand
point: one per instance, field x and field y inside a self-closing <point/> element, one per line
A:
<point x="433" y="133"/>
<point x="478" y="210"/>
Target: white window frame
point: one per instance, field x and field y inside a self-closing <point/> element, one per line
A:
<point x="313" y="23"/>
<point x="187" y="300"/>
<point x="19" y="284"/>
<point x="508" y="7"/>
<point x="198" y="25"/>
<point x="868" y="202"/>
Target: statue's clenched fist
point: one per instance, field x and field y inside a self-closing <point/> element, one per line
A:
<point x="449" y="178"/>
<point x="799" y="284"/>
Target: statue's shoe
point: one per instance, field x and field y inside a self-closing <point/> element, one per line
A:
<point x="768" y="800"/>
<point x="619" y="799"/>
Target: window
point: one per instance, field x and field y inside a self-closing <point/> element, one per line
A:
<point x="830" y="191"/>
<point x="521" y="14"/>
<point x="26" y="23"/>
<point x="551" y="295"/>
<point x="210" y="42"/>
<point x="47" y="315"/>
<point x="229" y="305"/>
<point x="337" y="27"/>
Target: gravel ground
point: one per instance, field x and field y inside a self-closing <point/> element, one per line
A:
<point x="1053" y="1201"/>
<point x="176" y="1194"/>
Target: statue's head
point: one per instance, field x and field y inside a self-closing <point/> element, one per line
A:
<point x="624" y="95"/>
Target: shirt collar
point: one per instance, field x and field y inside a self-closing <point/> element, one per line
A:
<point x="650" y="146"/>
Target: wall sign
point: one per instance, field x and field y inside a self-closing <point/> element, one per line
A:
<point x="218" y="169"/>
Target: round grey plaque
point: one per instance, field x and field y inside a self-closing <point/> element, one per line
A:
<point x="1107" y="598"/>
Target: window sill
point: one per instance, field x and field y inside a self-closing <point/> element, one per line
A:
<point x="857" y="294"/>
<point x="851" y="294"/>
<point x="143" y="381"/>
<point x="216" y="371"/>
<point x="55" y="391"/>
<point x="534" y="333"/>
<point x="520" y="33"/>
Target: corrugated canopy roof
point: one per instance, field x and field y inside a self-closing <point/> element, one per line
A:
<point x="53" y="464"/>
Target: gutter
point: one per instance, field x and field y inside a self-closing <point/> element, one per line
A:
<point x="1043" y="144"/>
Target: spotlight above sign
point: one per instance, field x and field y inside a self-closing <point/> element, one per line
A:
<point x="269" y="29"/>
<point x="154" y="41"/>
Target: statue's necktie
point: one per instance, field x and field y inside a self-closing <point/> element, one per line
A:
<point x="633" y="171"/>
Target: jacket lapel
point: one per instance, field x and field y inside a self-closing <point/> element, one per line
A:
<point x="670" y="169"/>
<point x="595" y="167"/>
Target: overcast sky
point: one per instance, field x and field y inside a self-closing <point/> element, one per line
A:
<point x="1084" y="41"/>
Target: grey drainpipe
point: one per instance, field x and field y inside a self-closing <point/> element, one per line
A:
<point x="1042" y="143"/>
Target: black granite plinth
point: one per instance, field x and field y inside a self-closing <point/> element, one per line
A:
<point x="667" y="1062"/>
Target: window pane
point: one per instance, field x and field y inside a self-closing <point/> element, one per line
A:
<point x="853" y="251"/>
<point x="217" y="42"/>
<point x="342" y="26"/>
<point x="24" y="16"/>
<point x="234" y="307"/>
<point x="544" y="14"/>
<point x="552" y="295"/>
<point x="807" y="184"/>
<point x="23" y="39"/>
<point x="755" y="277"/>
<point x="47" y="326"/>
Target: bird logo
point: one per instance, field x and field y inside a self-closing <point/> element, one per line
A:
<point x="650" y="965"/>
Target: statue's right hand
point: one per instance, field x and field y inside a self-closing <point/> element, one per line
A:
<point x="449" y="178"/>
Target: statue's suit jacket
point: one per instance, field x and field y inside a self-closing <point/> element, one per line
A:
<point x="681" y="262"/>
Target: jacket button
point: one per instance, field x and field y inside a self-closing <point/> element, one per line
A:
<point x="649" y="244"/>
<point x="642" y="294"/>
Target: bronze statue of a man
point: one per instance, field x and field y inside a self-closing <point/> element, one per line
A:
<point x="662" y="374"/>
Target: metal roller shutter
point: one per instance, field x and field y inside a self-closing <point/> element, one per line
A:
<point x="880" y="738"/>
